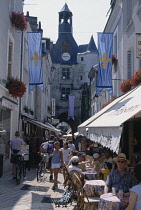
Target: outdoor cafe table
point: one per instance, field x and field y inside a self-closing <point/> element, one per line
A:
<point x="94" y="187"/>
<point x="110" y="202"/>
<point x="90" y="175"/>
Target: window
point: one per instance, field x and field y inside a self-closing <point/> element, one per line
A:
<point x="65" y="92"/>
<point x="115" y="45"/>
<point x="66" y="73"/>
<point x="129" y="10"/>
<point x="66" y="46"/>
<point x="129" y="64"/>
<point x="25" y="54"/>
<point x="82" y="58"/>
<point x="81" y="78"/>
<point x="10" y="55"/>
<point x="139" y="63"/>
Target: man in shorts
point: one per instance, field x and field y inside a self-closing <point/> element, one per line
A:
<point x="49" y="146"/>
<point x="16" y="152"/>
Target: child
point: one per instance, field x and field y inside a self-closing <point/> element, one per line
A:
<point x="106" y="170"/>
<point x="96" y="162"/>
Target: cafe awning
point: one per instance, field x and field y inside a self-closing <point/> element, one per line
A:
<point x="107" y="128"/>
<point x="46" y="126"/>
<point x="82" y="128"/>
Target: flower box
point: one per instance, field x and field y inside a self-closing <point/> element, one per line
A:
<point x="19" y="21"/>
<point x="26" y="109"/>
<point x="16" y="87"/>
<point x="136" y="78"/>
<point x="125" y="86"/>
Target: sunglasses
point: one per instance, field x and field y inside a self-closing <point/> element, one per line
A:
<point x="120" y="161"/>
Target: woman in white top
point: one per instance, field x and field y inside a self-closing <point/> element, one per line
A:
<point x="135" y="193"/>
<point x="66" y="154"/>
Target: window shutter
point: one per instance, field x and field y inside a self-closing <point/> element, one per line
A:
<point x="10" y="59"/>
<point x="129" y="65"/>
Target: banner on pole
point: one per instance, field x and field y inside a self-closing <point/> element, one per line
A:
<point x="105" y="48"/>
<point x="35" y="60"/>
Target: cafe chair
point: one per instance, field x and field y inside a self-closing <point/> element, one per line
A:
<point x="67" y="178"/>
<point x="83" y="201"/>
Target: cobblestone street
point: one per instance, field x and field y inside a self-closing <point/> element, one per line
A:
<point x="13" y="198"/>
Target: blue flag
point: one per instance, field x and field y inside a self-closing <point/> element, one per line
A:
<point x="35" y="60"/>
<point x="71" y="107"/>
<point x="105" y="48"/>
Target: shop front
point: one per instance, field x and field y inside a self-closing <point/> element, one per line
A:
<point x="118" y="128"/>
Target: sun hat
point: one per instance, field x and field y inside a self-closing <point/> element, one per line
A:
<point x="121" y="156"/>
<point x="95" y="155"/>
<point x="74" y="159"/>
<point x="81" y="153"/>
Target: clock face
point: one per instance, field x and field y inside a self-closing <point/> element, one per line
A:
<point x="65" y="56"/>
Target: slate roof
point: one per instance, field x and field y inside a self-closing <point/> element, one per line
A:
<point x="91" y="46"/>
<point x="88" y="47"/>
<point x="65" y="8"/>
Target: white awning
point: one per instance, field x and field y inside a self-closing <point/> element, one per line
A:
<point x="106" y="128"/>
<point x="42" y="125"/>
<point x="82" y="127"/>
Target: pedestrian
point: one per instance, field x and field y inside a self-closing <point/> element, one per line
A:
<point x="48" y="148"/>
<point x="71" y="145"/>
<point x="16" y="152"/>
<point x="66" y="151"/>
<point x="56" y="162"/>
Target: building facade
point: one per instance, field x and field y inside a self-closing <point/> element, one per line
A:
<point x="71" y="63"/>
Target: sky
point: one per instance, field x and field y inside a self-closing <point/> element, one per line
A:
<point x="89" y="17"/>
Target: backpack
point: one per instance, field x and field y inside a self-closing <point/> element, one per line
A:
<point x="50" y="147"/>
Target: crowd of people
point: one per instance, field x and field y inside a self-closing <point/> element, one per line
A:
<point x="113" y="170"/>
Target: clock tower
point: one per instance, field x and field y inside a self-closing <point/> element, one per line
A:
<point x="65" y="50"/>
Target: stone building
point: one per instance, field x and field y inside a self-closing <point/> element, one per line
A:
<point x="71" y="63"/>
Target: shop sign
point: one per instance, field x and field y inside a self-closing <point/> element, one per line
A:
<point x="138" y="45"/>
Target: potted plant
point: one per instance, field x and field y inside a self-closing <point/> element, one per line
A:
<point x="49" y="108"/>
<point x="16" y="87"/>
<point x="114" y="60"/>
<point x="136" y="78"/>
<point x="26" y="109"/>
<point x="19" y="21"/>
<point x="125" y="85"/>
<point x="31" y="112"/>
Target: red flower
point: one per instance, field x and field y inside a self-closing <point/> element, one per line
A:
<point x="136" y="78"/>
<point x="125" y="86"/>
<point x="19" y="21"/>
<point x="16" y="87"/>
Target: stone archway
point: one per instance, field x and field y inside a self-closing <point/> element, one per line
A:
<point x="63" y="117"/>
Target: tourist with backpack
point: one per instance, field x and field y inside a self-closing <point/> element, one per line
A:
<point x="48" y="147"/>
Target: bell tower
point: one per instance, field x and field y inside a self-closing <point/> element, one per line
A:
<point x="65" y="21"/>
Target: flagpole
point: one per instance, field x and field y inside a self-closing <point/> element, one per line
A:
<point x="21" y="68"/>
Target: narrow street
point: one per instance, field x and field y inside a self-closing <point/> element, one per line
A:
<point x="12" y="197"/>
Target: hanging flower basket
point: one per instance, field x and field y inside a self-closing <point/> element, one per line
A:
<point x="136" y="78"/>
<point x="114" y="60"/>
<point x="125" y="85"/>
<point x="49" y="108"/>
<point x="19" y="21"/>
<point x="16" y="87"/>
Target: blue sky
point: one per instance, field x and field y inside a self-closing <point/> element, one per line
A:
<point x="89" y="17"/>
